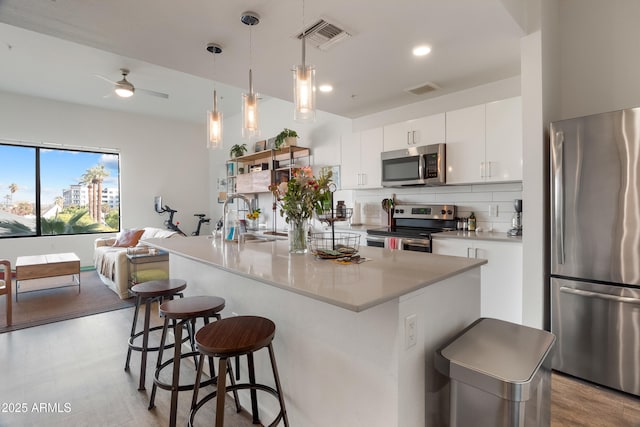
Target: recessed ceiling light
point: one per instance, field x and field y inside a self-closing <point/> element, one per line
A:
<point x="325" y="88"/>
<point x="421" y="50"/>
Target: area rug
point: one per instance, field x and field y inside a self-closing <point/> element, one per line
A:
<point x="60" y="303"/>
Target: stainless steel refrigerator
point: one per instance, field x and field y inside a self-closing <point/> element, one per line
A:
<point x="595" y="248"/>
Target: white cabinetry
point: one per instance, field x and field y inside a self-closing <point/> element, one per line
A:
<point x="501" y="277"/>
<point x="423" y="131"/>
<point x="503" y="152"/>
<point x="484" y="143"/>
<point x="360" y="164"/>
<point x="465" y="144"/>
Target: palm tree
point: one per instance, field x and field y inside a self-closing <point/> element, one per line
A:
<point x="13" y="187"/>
<point x="93" y="178"/>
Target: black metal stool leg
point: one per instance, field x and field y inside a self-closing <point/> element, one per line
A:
<point x="276" y="378"/>
<point x="176" y="373"/>
<point x="145" y="343"/>
<point x="222" y="367"/>
<point x="254" y="394"/>
<point x="133" y="331"/>
<point x="159" y="362"/>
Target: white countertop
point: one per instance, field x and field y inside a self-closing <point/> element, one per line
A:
<point x="481" y="235"/>
<point x="356" y="287"/>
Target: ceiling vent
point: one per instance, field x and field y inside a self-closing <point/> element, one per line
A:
<point x="323" y="34"/>
<point x="423" y="88"/>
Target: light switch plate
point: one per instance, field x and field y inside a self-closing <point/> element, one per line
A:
<point x="493" y="211"/>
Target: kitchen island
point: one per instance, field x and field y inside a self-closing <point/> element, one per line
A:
<point x="354" y="342"/>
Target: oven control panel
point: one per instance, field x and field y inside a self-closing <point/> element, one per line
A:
<point x="425" y="211"/>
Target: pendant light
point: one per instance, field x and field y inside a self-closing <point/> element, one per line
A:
<point x="214" y="118"/>
<point x="304" y="86"/>
<point x="250" y="99"/>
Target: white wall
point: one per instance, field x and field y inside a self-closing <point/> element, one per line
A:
<point x="599" y="65"/>
<point x="157" y="157"/>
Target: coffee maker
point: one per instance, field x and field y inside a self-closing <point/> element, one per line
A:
<point x="516" y="221"/>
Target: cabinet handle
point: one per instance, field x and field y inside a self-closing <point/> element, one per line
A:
<point x="489" y="175"/>
<point x="364" y="179"/>
<point x="408" y="138"/>
<point x="481" y="169"/>
<point x="475" y="253"/>
<point x="414" y="135"/>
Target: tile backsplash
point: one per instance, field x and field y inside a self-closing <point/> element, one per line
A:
<point x="477" y="198"/>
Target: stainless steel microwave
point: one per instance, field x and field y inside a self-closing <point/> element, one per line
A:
<point x="424" y="165"/>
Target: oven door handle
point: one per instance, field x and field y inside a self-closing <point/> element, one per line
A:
<point x="417" y="242"/>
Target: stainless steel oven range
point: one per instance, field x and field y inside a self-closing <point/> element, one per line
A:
<point x="412" y="226"/>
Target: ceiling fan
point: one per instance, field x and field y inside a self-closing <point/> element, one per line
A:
<point x="125" y="89"/>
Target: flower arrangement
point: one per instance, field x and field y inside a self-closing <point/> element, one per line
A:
<point x="302" y="195"/>
<point x="254" y="214"/>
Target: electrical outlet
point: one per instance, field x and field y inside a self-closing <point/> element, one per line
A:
<point x="410" y="331"/>
<point x="493" y="210"/>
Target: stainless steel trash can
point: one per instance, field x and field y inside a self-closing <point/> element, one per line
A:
<point x="500" y="375"/>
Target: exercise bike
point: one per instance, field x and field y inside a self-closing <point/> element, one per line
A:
<point x="174" y="226"/>
<point x="201" y="220"/>
<point x="169" y="222"/>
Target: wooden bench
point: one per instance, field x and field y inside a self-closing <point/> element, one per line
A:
<point x="44" y="266"/>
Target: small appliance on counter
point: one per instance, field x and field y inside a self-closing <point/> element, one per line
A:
<point x="516" y="221"/>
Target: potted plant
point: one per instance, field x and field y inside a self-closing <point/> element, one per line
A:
<point x="286" y="138"/>
<point x="238" y="150"/>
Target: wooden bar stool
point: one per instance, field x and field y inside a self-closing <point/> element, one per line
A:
<point x="185" y="311"/>
<point x="155" y="290"/>
<point x="230" y="337"/>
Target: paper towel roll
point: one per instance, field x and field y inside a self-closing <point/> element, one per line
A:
<point x="355" y="216"/>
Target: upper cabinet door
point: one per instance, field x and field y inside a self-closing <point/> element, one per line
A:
<point x="504" y="140"/>
<point x="396" y="136"/>
<point x="466" y="145"/>
<point x="428" y="130"/>
<point x="423" y="131"/>
<point x="370" y="163"/>
<point x="350" y="160"/>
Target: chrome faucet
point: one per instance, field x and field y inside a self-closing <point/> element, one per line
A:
<point x="225" y="211"/>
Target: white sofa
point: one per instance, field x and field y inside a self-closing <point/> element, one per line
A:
<point x="112" y="264"/>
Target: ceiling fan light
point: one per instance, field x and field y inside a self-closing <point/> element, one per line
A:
<point x="304" y="93"/>
<point x="124" y="89"/>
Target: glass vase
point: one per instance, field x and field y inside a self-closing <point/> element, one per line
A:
<point x="298" y="232"/>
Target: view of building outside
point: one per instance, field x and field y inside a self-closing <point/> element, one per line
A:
<point x="78" y="191"/>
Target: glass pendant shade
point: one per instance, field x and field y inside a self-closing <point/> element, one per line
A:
<point x="250" y="112"/>
<point x="214" y="129"/>
<point x="214" y="118"/>
<point x="304" y="84"/>
<point x="250" y="115"/>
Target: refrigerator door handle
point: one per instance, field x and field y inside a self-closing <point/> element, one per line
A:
<point x="557" y="146"/>
<point x="600" y="295"/>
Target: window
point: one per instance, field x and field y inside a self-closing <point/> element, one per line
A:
<point x="47" y="191"/>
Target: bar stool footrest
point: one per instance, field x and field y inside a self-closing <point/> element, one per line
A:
<point x="184" y="387"/>
<point x="134" y="347"/>
<point x="236" y="387"/>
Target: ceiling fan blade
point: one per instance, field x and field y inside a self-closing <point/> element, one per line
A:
<point x="153" y="93"/>
<point x="105" y="79"/>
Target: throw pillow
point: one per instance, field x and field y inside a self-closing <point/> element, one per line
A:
<point x="128" y="238"/>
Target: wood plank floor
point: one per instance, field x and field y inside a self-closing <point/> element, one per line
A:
<point x="71" y="374"/>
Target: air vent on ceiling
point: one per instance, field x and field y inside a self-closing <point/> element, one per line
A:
<point x="423" y="88"/>
<point x="323" y="34"/>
